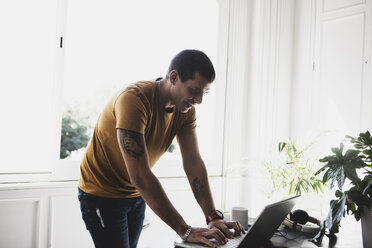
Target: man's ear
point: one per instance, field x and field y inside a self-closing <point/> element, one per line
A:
<point x="173" y="77"/>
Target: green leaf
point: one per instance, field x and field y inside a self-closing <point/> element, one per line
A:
<point x="366" y="188"/>
<point x="282" y="146"/>
<point x="321" y="170"/>
<point x="355" y="196"/>
<point x="294" y="172"/>
<point x="357" y="215"/>
<point x="317" y="239"/>
<point x="338" y="193"/>
<point x="363" y="141"/>
<point x="352" y="207"/>
<point x="327" y="159"/>
<point x="367" y="152"/>
<point x="325" y="176"/>
<point x="338" y="175"/>
<point x="341" y="166"/>
<point x="338" y="151"/>
<point x="337" y="208"/>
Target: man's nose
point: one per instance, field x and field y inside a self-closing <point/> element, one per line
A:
<point x="198" y="99"/>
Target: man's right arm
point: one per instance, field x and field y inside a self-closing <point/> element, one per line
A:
<point x="133" y="149"/>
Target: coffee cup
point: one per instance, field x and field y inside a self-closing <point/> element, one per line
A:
<point x="240" y="214"/>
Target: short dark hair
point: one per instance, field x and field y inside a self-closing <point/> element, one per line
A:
<point x="188" y="62"/>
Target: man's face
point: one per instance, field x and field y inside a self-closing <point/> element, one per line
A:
<point x="188" y="93"/>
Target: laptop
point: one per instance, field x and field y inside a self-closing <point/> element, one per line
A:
<point x="262" y="229"/>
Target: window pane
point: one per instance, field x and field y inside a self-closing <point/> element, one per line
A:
<point x="27" y="97"/>
<point x="115" y="43"/>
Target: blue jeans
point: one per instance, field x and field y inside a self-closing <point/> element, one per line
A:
<point x="111" y="222"/>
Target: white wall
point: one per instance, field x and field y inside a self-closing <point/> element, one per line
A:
<point x="41" y="215"/>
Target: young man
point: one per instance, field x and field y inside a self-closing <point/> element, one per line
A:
<point x="136" y="127"/>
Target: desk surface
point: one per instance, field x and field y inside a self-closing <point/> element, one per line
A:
<point x="350" y="236"/>
<point x="347" y="238"/>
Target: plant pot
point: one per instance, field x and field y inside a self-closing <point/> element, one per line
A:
<point x="366" y="219"/>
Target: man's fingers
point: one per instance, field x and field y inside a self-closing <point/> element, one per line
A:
<point x="222" y="235"/>
<point x="238" y="229"/>
<point x="242" y="228"/>
<point x="217" y="235"/>
<point x="225" y="229"/>
<point x="208" y="242"/>
<point x="198" y="235"/>
<point x="224" y="226"/>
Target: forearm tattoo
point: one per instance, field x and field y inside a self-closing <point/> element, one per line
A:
<point x="198" y="189"/>
<point x="132" y="143"/>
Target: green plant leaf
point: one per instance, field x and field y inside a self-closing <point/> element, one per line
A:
<point x="369" y="186"/>
<point x="294" y="173"/>
<point x="357" y="215"/>
<point x="352" y="207"/>
<point x="367" y="152"/>
<point x="341" y="166"/>
<point x="332" y="222"/>
<point x="282" y="146"/>
<point x="363" y="141"/>
<point x="355" y="196"/>
<point x="327" y="159"/>
<point x="338" y="194"/>
<point x="337" y="208"/>
<point x="338" y="151"/>
<point x="325" y="176"/>
<point x="317" y="239"/>
<point x="338" y="175"/>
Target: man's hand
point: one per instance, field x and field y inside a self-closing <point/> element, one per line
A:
<point x="225" y="227"/>
<point x="202" y="235"/>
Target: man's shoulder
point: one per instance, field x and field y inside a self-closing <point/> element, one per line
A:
<point x="140" y="93"/>
<point x="141" y="88"/>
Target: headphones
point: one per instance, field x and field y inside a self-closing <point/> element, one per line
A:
<point x="297" y="219"/>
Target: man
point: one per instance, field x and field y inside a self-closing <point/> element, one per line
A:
<point x="134" y="130"/>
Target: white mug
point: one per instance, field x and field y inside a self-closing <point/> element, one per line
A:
<point x="240" y="214"/>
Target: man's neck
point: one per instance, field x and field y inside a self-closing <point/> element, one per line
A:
<point x="164" y="94"/>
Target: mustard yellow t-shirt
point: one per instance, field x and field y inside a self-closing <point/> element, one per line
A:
<point x="103" y="171"/>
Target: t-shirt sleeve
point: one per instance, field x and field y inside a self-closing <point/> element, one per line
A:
<point x="189" y="125"/>
<point x="130" y="112"/>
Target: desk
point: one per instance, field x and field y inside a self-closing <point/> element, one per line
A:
<point x="350" y="236"/>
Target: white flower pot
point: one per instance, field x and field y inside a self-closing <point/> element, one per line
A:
<point x="366" y="227"/>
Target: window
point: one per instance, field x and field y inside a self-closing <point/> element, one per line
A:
<point x="28" y="131"/>
<point x="120" y="42"/>
<point x="62" y="60"/>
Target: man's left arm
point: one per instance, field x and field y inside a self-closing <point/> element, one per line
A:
<point x="198" y="178"/>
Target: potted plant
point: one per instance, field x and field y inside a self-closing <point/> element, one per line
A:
<point x="292" y="172"/>
<point x="354" y="166"/>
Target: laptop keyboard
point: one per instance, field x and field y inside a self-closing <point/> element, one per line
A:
<point x="233" y="242"/>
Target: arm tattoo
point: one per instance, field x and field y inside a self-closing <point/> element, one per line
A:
<point x="132" y="143"/>
<point x="198" y="189"/>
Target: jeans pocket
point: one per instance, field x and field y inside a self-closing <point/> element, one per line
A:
<point x="89" y="214"/>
